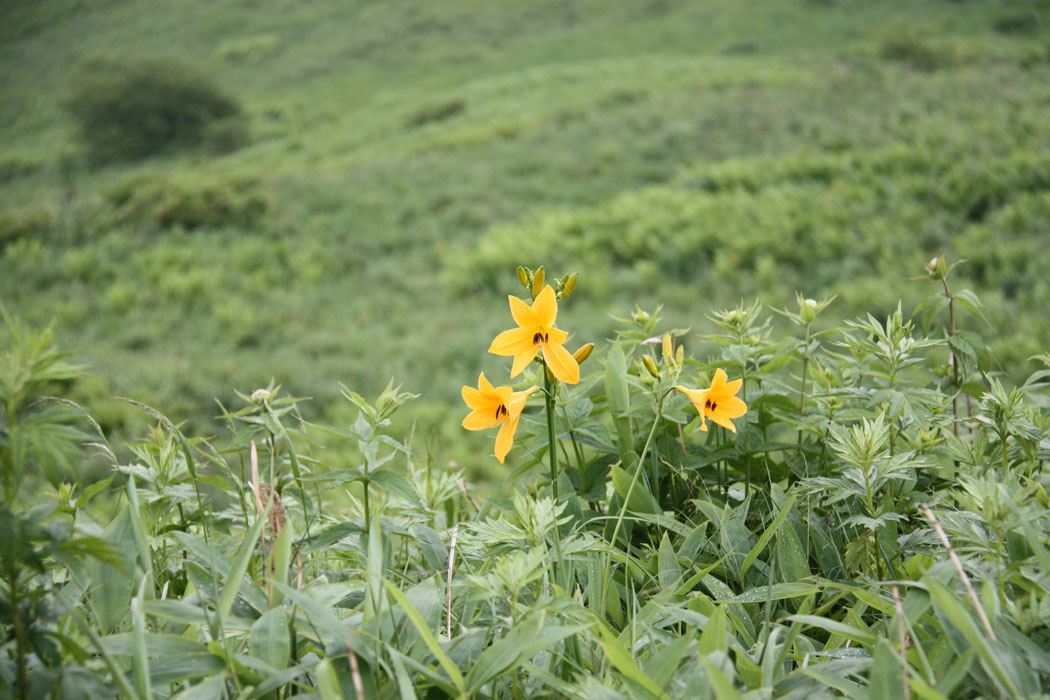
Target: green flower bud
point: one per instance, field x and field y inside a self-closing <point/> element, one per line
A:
<point x="650" y="365"/>
<point x="570" y="284"/>
<point x="524" y="276"/>
<point x="667" y="345"/>
<point x="583" y="353"/>
<point x="538" y="278"/>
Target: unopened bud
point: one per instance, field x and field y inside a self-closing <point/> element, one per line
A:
<point x="523" y="276"/>
<point x="538" y="278"/>
<point x="679" y="355"/>
<point x="583" y="353"/>
<point x="570" y="284"/>
<point x="650" y="365"/>
<point x="807" y="309"/>
<point x="640" y="316"/>
<point x="937" y="268"/>
<point x="668" y="349"/>
<point x="261" y="396"/>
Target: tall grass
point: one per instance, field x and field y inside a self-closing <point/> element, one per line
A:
<point x="874" y="525"/>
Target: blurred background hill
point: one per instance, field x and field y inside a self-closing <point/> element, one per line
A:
<point x="205" y="196"/>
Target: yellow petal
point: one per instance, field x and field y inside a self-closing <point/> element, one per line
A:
<point x="505" y="439"/>
<point x="523" y="315"/>
<point x="513" y="342"/>
<point x="517" y="401"/>
<point x="483" y="384"/>
<point x="545" y="308"/>
<point x="562" y="364"/>
<point x="479" y="420"/>
<point x="732" y="407"/>
<point x="473" y="398"/>
<point x="697" y="397"/>
<point x="720" y="378"/>
<point x="732" y="387"/>
<point x="522" y="360"/>
<point x="556" y="335"/>
<point x="722" y="420"/>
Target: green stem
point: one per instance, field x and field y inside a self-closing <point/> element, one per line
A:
<point x="20" y="637"/>
<point x="368" y="519"/>
<point x="630" y="488"/>
<point x="552" y="456"/>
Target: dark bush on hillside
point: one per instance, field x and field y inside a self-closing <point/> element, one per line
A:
<point x="156" y="203"/>
<point x="25" y="224"/>
<point x="909" y="47"/>
<point x="435" y="113"/>
<point x="132" y="109"/>
<point x="1019" y="23"/>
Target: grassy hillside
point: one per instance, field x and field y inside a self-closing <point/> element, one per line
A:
<point x="404" y="157"/>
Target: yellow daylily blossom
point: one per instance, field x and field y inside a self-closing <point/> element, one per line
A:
<point x="717" y="402"/>
<point x="491" y="406"/>
<point x="536" y="332"/>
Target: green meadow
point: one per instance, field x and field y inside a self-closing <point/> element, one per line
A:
<point x="260" y="247"/>
<point x="402" y="158"/>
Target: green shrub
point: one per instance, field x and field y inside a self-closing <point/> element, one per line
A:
<point x="25" y="224"/>
<point x="435" y="113"/>
<point x="152" y="202"/>
<point x="18" y="166"/>
<point x="132" y="109"/>
<point x="909" y="47"/>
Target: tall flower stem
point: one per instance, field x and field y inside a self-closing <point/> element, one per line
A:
<point x="552" y="456"/>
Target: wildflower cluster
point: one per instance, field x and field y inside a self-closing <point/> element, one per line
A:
<point x="491" y="406"/>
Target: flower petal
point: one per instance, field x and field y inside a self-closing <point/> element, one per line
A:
<point x="545" y="308"/>
<point x="732" y="407"/>
<point x="562" y="364"/>
<point x="697" y="397"/>
<point x="522" y="313"/>
<point x="517" y="401"/>
<point x="479" y="420"/>
<point x="484" y="386"/>
<point x="732" y="387"/>
<point x="474" y="398"/>
<point x="556" y="335"/>
<point x="505" y="439"/>
<point x="522" y="360"/>
<point x="513" y="342"/>
<point x="719" y="379"/>
<point x="722" y="420"/>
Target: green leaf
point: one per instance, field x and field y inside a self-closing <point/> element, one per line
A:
<point x="396" y="485"/>
<point x="518" y="646"/>
<point x="210" y="689"/>
<point x="715" y="636"/>
<point x="722" y="686"/>
<point x="622" y="660"/>
<point x="791" y="560"/>
<point x="238" y="568"/>
<point x="843" y="630"/>
<point x="670" y="572"/>
<point x="268" y="639"/>
<point x="428" y="637"/>
<point x="946" y="602"/>
<point x="641" y="500"/>
<point x="767" y="535"/>
<point x="617" y="394"/>
<point x="884" y="680"/>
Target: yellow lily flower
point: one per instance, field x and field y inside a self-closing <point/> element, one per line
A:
<point x="491" y="406"/>
<point x="718" y="402"/>
<point x="536" y="332"/>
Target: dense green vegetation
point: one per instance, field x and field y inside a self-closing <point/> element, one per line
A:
<point x="691" y="154"/>
<point x="874" y="525"/>
<point x="246" y="217"/>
